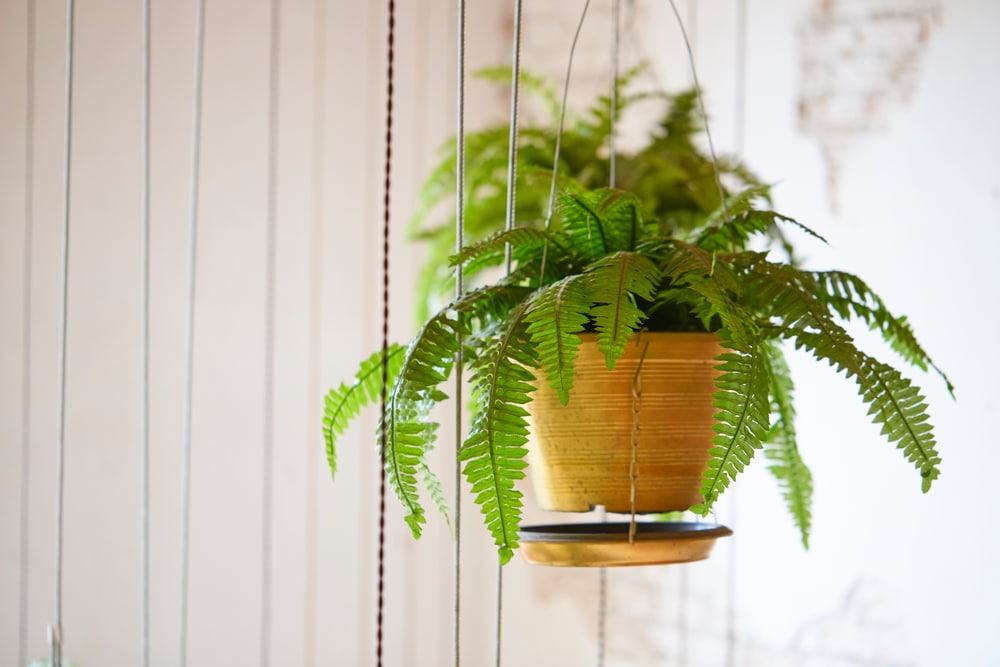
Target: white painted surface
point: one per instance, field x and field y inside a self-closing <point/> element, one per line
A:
<point x="894" y="577"/>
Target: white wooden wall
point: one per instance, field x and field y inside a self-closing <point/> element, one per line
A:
<point x="894" y="578"/>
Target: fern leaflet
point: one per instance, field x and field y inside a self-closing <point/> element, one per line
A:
<point x="555" y="315"/>
<point x="613" y="283"/>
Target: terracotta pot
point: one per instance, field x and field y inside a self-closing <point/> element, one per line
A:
<point x="581" y="453"/>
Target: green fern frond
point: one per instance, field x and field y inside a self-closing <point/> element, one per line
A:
<point x="613" y="284"/>
<point x="406" y="431"/>
<point x="490" y="251"/>
<point x="742" y="417"/>
<point x="555" y="316"/>
<point x="494" y="451"/>
<point x="851" y="297"/>
<point x="782" y="450"/>
<point x="583" y="225"/>
<point x="345" y="402"/>
<point x="435" y="491"/>
<point x="897" y="405"/>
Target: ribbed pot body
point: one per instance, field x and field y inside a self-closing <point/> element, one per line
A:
<point x="581" y="453"/>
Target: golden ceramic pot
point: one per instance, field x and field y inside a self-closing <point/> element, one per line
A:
<point x="581" y="454"/>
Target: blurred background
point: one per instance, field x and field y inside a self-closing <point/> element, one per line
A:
<point x="877" y="123"/>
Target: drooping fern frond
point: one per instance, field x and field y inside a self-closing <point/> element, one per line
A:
<point x="494" y="449"/>
<point x="583" y="225"/>
<point x="851" y="297"/>
<point x="613" y="284"/>
<point x="555" y="316"/>
<point x="406" y="431"/>
<point x="345" y="402"/>
<point x="897" y="405"/>
<point x="894" y="402"/>
<point x="742" y="417"/>
<point x="782" y="450"/>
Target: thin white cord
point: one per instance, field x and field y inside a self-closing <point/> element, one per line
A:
<point x="189" y="361"/>
<point x="738" y="134"/>
<point x="144" y="347"/>
<point x="24" y="564"/>
<point x="267" y="462"/>
<point x="559" y="133"/>
<point x="701" y="106"/>
<point x="459" y="290"/>
<point x="55" y="631"/>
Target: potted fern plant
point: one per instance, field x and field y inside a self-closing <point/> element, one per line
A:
<point x="609" y="280"/>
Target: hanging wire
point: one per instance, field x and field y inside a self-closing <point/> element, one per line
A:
<point x="144" y="348"/>
<point x="199" y="59"/>
<point x="739" y="121"/>
<point x="390" y="57"/>
<point x="602" y="594"/>
<point x="267" y="463"/>
<point x="459" y="291"/>
<point x="315" y="318"/>
<point x="559" y="133"/>
<point x="29" y="224"/>
<point x="55" y="631"/>
<point x="701" y="106"/>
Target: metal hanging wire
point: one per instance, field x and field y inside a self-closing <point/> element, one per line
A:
<point x="199" y="59"/>
<point x="267" y="463"/>
<point x="144" y="345"/>
<point x="602" y="594"/>
<point x="55" y="630"/>
<point x="24" y="561"/>
<point x="459" y="291"/>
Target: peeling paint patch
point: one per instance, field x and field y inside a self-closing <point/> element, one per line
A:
<point x="860" y="59"/>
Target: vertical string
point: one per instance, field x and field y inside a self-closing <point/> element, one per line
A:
<point x="739" y="120"/>
<point x="267" y="463"/>
<point x="459" y="291"/>
<point x="189" y="342"/>
<point x="55" y="630"/>
<point x="29" y="188"/>
<point x="24" y="563"/>
<point x="315" y="317"/>
<point x="390" y="56"/>
<point x="602" y="593"/>
<point x="515" y="78"/>
<point x="144" y="347"/>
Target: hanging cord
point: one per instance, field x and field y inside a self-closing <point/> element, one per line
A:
<point x="267" y="462"/>
<point x="701" y="106"/>
<point x="315" y="318"/>
<point x="55" y="630"/>
<point x="385" y="328"/>
<point x="144" y="349"/>
<point x="199" y="59"/>
<point x="24" y="563"/>
<point x="602" y="595"/>
<point x="633" y="467"/>
<point x="738" y="136"/>
<point x="459" y="291"/>
<point x="515" y="79"/>
<point x="559" y="133"/>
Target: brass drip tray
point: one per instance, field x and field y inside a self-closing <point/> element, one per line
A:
<point x="607" y="544"/>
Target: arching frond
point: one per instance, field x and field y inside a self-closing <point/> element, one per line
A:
<point x="345" y="403"/>
<point x="613" y="284"/>
<point x="494" y="450"/>
<point x="406" y="430"/>
<point x="555" y="316"/>
<point x="851" y="297"/>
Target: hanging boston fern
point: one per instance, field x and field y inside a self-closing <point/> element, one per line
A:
<point x="609" y="265"/>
